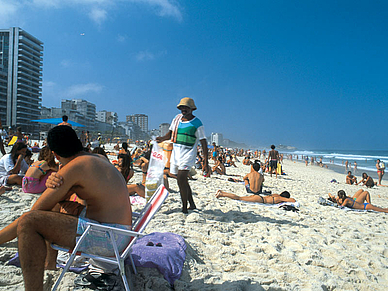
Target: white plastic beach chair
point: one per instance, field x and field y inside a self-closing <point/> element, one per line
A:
<point x="141" y="222"/>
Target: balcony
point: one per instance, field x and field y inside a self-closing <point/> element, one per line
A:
<point x="30" y="61"/>
<point x="30" y="44"/>
<point x="34" y="73"/>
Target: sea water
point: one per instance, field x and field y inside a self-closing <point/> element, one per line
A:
<point x="335" y="159"/>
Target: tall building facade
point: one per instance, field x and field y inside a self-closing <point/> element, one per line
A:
<point x="217" y="138"/>
<point x="83" y="107"/>
<point x="21" y="61"/>
<point x="163" y="128"/>
<point x="139" y="119"/>
<point x="107" y="117"/>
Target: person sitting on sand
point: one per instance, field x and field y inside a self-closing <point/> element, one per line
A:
<point x="229" y="161"/>
<point x="94" y="180"/>
<point x="367" y="181"/>
<point x="345" y="201"/>
<point x="13" y="166"/>
<point x="35" y="178"/>
<point x="124" y="149"/>
<point x="246" y="161"/>
<point x="350" y="179"/>
<point x="124" y="166"/>
<point x="270" y="199"/>
<point x="254" y="180"/>
<point x="360" y="196"/>
<point x="219" y="167"/>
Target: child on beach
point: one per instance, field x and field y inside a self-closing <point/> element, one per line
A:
<point x="35" y="178"/>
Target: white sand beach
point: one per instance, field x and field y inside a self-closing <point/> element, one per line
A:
<point x="237" y="246"/>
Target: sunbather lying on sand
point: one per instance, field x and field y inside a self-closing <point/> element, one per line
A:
<point x="360" y="196"/>
<point x="343" y="200"/>
<point x="270" y="199"/>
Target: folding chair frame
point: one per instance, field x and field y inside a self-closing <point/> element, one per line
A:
<point x="143" y="218"/>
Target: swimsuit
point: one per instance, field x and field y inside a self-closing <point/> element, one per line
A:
<point x="98" y="241"/>
<point x="39" y="167"/>
<point x="365" y="204"/>
<point x="248" y="188"/>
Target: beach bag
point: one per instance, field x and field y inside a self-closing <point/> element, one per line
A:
<point x="156" y="166"/>
<point x="382" y="165"/>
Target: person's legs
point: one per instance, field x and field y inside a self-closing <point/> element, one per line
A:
<point x="34" y="228"/>
<point x="185" y="190"/>
<point x="251" y="198"/>
<point x="15" y="179"/>
<point x="375" y="208"/>
<point x="379" y="173"/>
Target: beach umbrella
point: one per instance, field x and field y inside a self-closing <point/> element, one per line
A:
<point x="56" y="121"/>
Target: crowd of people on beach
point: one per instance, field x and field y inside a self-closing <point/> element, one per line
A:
<point x="74" y="179"/>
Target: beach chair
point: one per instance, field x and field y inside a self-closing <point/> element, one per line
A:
<point x="141" y="221"/>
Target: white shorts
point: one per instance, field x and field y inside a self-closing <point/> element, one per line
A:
<point x="175" y="168"/>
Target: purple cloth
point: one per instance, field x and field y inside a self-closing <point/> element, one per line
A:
<point x="168" y="259"/>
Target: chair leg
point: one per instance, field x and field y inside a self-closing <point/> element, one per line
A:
<point x="133" y="264"/>
<point x="71" y="259"/>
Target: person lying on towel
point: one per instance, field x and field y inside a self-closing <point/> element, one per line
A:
<point x="345" y="201"/>
<point x="270" y="199"/>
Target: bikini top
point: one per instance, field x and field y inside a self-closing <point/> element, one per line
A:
<point x="39" y="167"/>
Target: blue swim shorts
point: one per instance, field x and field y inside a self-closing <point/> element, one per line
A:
<point x="98" y="242"/>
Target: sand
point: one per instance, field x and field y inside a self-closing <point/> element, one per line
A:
<point x="239" y="246"/>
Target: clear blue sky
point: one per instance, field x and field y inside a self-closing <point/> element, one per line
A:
<point x="312" y="74"/>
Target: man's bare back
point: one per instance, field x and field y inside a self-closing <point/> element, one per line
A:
<point x="255" y="180"/>
<point x="97" y="182"/>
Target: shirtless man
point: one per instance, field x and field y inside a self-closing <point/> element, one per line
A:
<point x="64" y="121"/>
<point x="270" y="199"/>
<point x="95" y="180"/>
<point x="254" y="180"/>
<point x="273" y="157"/>
<point x="350" y="179"/>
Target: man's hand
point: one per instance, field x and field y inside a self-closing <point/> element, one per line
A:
<point x="54" y="180"/>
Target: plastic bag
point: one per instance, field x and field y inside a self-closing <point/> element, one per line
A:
<point x="155" y="170"/>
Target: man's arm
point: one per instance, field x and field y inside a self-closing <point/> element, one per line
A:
<point x="2" y="147"/>
<point x="163" y="138"/>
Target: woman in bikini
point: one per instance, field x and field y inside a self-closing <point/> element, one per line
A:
<point x="360" y="196"/>
<point x="35" y="178"/>
<point x="345" y="201"/>
<point x="270" y="199"/>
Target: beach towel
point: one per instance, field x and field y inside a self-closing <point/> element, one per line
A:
<point x="164" y="251"/>
<point x="174" y="125"/>
<point x="137" y="200"/>
<point x="327" y="202"/>
<point x="279" y="205"/>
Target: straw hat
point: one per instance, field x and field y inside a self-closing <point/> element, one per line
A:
<point x="187" y="102"/>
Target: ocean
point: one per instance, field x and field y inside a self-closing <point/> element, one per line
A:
<point x="335" y="159"/>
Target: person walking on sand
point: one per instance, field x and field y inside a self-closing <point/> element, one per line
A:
<point x="185" y="132"/>
<point x="273" y="157"/>
<point x="97" y="182"/>
<point x="380" y="166"/>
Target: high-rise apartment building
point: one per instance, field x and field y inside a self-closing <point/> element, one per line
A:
<point x="21" y="61"/>
<point x="107" y="117"/>
<point x="164" y="128"/>
<point x="217" y="138"/>
<point x="139" y="119"/>
<point x="85" y="108"/>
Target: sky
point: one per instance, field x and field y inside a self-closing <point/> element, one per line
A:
<point x="309" y="74"/>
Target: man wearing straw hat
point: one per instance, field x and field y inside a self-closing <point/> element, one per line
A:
<point x="185" y="132"/>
